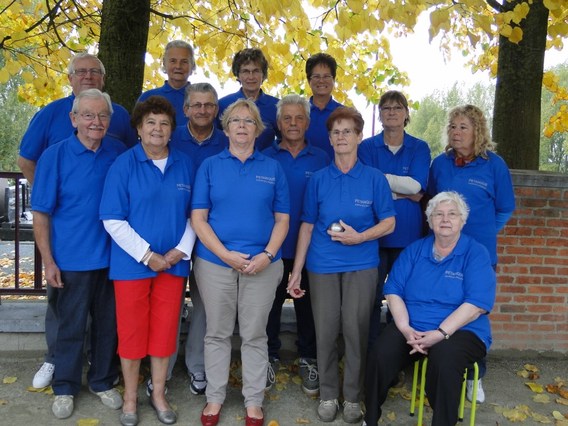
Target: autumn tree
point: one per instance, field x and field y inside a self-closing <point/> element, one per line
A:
<point x="39" y="37"/>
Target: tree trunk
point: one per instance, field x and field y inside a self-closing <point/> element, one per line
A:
<point x="122" y="47"/>
<point x="516" y="116"/>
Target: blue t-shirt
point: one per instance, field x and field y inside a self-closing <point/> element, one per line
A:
<point x="412" y="160"/>
<point x="298" y="171"/>
<point x="432" y="290"/>
<point x="52" y="124"/>
<point x="185" y="142"/>
<point x="361" y="198"/>
<point x="68" y="185"/>
<point x="317" y="131"/>
<point x="487" y="187"/>
<point x="266" y="106"/>
<point x="175" y="96"/>
<point x="155" y="204"/>
<point x="242" y="199"/>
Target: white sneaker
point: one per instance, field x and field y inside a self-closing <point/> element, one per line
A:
<point x="62" y="406"/>
<point x="43" y="376"/>
<point x="480" y="392"/>
<point x="110" y="398"/>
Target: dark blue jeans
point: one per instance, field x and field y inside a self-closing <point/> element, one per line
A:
<point x="84" y="293"/>
<point x="304" y="318"/>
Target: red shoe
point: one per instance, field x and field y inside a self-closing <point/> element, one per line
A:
<point x="253" y="421"/>
<point x="210" y="419"/>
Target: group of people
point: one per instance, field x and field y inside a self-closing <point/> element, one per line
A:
<point x="251" y="200"/>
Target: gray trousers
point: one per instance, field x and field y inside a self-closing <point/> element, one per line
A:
<point x="195" y="335"/>
<point x="342" y="302"/>
<point x="227" y="296"/>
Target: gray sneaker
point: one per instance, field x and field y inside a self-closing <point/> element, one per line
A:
<point x="310" y="376"/>
<point x="110" y="398"/>
<point x="62" y="406"/>
<point x="352" y="412"/>
<point x="327" y="410"/>
<point x="273" y="365"/>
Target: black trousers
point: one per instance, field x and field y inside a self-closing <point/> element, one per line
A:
<point x="447" y="361"/>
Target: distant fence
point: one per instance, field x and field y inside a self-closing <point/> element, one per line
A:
<point x="15" y="228"/>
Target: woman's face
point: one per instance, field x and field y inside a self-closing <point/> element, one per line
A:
<point x="241" y="127"/>
<point x="446" y="220"/>
<point x="344" y="138"/>
<point x="393" y="115"/>
<point x="460" y="135"/>
<point x="155" y="130"/>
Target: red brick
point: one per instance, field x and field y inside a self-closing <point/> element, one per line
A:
<point x="557" y="223"/>
<point x="504" y="279"/>
<point x="544" y="289"/>
<point x="531" y="221"/>
<point x="553" y="318"/>
<point x="526" y="299"/>
<point x="514" y="269"/>
<point x="542" y="270"/>
<point x="532" y="203"/>
<point x="554" y="280"/>
<point x="521" y="231"/>
<point x="512" y="308"/>
<point x="528" y="279"/>
<point x="508" y="241"/>
<point x="547" y="212"/>
<point x="500" y="298"/>
<point x="554" y="194"/>
<point x="526" y="318"/>
<point x="552" y="260"/>
<point x="515" y="250"/>
<point x="562" y="271"/>
<point x="547" y="251"/>
<point x="546" y="232"/>
<point x="552" y="299"/>
<point x="555" y="242"/>
<point x="539" y="308"/>
<point x="497" y="317"/>
<point x="511" y="289"/>
<point x="530" y="260"/>
<point x="525" y="191"/>
<point x="516" y="327"/>
<point x="542" y="327"/>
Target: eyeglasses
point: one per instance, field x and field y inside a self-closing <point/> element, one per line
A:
<point x="345" y="133"/>
<point x="247" y="73"/>
<point x="89" y="116"/>
<point x="397" y="108"/>
<point x="441" y="215"/>
<point x="246" y="121"/>
<point x="317" y="77"/>
<point x="207" y="105"/>
<point x="82" y="72"/>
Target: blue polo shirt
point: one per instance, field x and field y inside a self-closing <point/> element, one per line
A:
<point x="242" y="199"/>
<point x="68" y="186"/>
<point x="317" y="132"/>
<point x="52" y="124"/>
<point x="298" y="171"/>
<point x="175" y="96"/>
<point x="267" y="107"/>
<point x="185" y="142"/>
<point x="412" y="160"/>
<point x="432" y="290"/>
<point x="487" y="187"/>
<point x="155" y="204"/>
<point x="361" y="198"/>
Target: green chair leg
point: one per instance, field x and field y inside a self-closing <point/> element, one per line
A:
<point x="414" y="387"/>
<point x="422" y="391"/>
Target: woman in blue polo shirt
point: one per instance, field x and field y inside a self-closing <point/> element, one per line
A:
<point x="347" y="208"/>
<point x="439" y="291"/>
<point x="240" y="212"/>
<point x="470" y="167"/>
<point x="145" y="208"/>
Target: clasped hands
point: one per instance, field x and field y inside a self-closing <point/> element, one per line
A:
<point x="421" y="341"/>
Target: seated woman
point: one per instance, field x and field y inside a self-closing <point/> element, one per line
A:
<point x="439" y="292"/>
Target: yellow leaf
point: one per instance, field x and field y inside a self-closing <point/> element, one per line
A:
<point x="273" y="423"/>
<point x="9" y="380"/>
<point x="535" y="387"/>
<point x="88" y="422"/>
<point x="3" y="402"/>
<point x="516" y="35"/>
<point x="523" y="373"/>
<point x="540" y="418"/>
<point x="561" y="401"/>
<point x="531" y="367"/>
<point x="301" y="421"/>
<point x="4" y="76"/>
<point x="514" y="415"/>
<point x="542" y="398"/>
<point x="558" y="415"/>
<point x="391" y="416"/>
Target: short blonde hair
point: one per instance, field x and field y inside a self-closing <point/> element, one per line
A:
<point x="243" y="103"/>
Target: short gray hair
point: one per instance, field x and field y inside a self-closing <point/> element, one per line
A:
<point x="182" y="45"/>
<point x="91" y="94"/>
<point x="83" y="55"/>
<point x="293" y="99"/>
<point x="445" y="197"/>
<point x="199" y="88"/>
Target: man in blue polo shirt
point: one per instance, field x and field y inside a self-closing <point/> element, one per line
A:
<point x="321" y="70"/>
<point x="300" y="160"/>
<point x="75" y="251"/>
<point x="178" y="64"/>
<point x="49" y="126"/>
<point x="200" y="139"/>
<point x="251" y="69"/>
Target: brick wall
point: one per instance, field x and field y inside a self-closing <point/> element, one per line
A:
<point x="531" y="309"/>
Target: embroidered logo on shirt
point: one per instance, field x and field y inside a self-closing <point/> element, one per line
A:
<point x="476" y="182"/>
<point x="363" y="203"/>
<point x="308" y="174"/>
<point x="183" y="187"/>
<point x="266" y="179"/>
<point x="453" y="275"/>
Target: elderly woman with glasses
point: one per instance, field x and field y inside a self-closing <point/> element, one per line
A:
<point x="240" y="214"/>
<point x="439" y="291"/>
<point x="347" y="208"/>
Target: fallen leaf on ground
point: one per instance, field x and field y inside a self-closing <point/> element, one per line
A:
<point x="541" y="418"/>
<point x="558" y="415"/>
<point x="273" y="423"/>
<point x="3" y="402"/>
<point x="542" y="398"/>
<point x="391" y="416"/>
<point x="514" y="415"/>
<point x="301" y="421"/>
<point x="531" y="367"/>
<point x="88" y="422"/>
<point x="561" y="401"/>
<point x="535" y="387"/>
<point x="9" y="380"/>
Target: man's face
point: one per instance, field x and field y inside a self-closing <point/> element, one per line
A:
<point x="87" y="75"/>
<point x="202" y="109"/>
<point x="177" y="65"/>
<point x="91" y="120"/>
<point x="293" y="123"/>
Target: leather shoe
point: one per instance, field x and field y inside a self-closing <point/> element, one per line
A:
<point x="167" y="417"/>
<point x="128" y="419"/>
<point x="210" y="419"/>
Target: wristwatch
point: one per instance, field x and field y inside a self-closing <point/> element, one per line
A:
<point x="270" y="255"/>
<point x="446" y="335"/>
